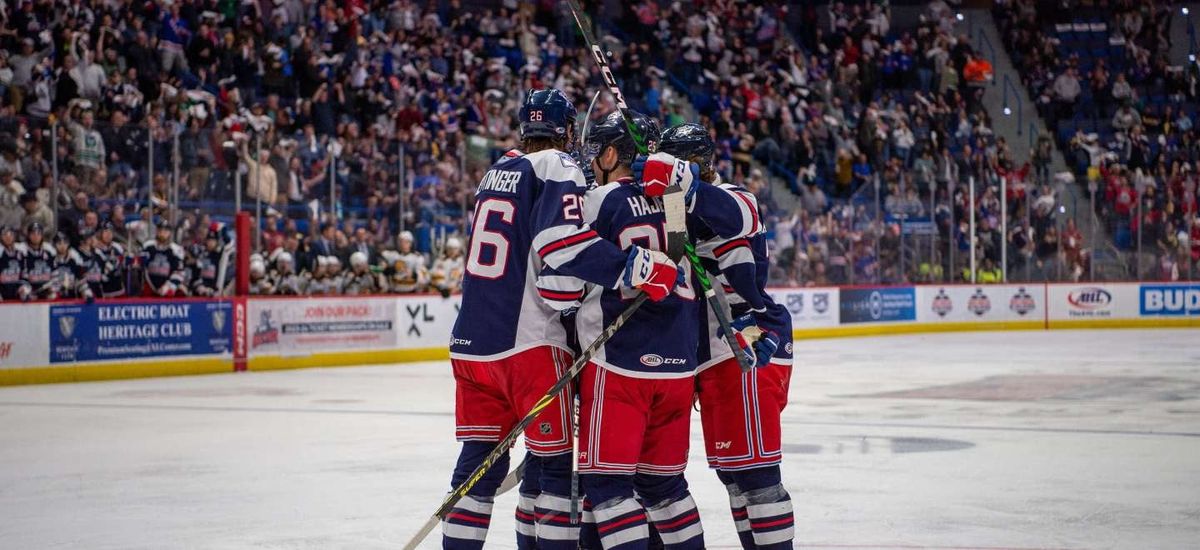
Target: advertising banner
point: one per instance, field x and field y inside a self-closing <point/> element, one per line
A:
<point x="1167" y="299"/>
<point x="141" y="329"/>
<point x="877" y="305"/>
<point x="980" y="303"/>
<point x="809" y="307"/>
<point x="304" y="326"/>
<point x="23" y="338"/>
<point x="1092" y="301"/>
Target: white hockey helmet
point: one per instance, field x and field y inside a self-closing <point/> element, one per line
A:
<point x="285" y="257"/>
<point x="453" y="244"/>
<point x="258" y="266"/>
<point x="405" y="236"/>
<point x="358" y="259"/>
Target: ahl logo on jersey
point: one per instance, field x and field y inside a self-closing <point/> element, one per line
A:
<point x="655" y="360"/>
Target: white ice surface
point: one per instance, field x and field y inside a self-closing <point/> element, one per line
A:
<point x="358" y="457"/>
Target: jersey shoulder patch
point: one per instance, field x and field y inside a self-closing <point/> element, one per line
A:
<point x="555" y="165"/>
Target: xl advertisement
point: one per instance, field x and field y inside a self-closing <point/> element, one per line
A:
<point x="1169" y="300"/>
<point x="141" y="329"/>
<point x="877" y="305"/>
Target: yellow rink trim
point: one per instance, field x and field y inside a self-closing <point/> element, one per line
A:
<point x="346" y="358"/>
<point x="90" y="372"/>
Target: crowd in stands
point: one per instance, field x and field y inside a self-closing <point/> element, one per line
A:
<point x="369" y="116"/>
<point x="1124" y="118"/>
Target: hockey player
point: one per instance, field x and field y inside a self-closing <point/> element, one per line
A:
<point x="360" y="279"/>
<point x="335" y="275"/>
<point x="12" y="286"/>
<point x="91" y="271"/>
<point x="162" y="264"/>
<point x="37" y="264"/>
<point x="285" y="280"/>
<point x="740" y="412"/>
<point x="406" y="266"/>
<point x="319" y="283"/>
<point x="208" y="265"/>
<point x="115" y="261"/>
<point x="507" y="346"/>
<point x="260" y="284"/>
<point x="447" y="272"/>
<point x="66" y="270"/>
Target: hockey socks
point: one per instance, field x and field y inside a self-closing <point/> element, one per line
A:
<point x="466" y="524"/>
<point x="767" y="508"/>
<point x="671" y="510"/>
<point x="737" y="506"/>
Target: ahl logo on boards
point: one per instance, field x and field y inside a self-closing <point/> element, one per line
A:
<point x="979" y="303"/>
<point x="942" y="303"/>
<point x="1022" y="302"/>
<point x="1089" y="298"/>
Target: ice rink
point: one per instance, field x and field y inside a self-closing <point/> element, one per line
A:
<point x="1065" y="439"/>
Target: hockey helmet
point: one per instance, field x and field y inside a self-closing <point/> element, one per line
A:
<point x="358" y="259"/>
<point x="613" y="131"/>
<point x="689" y="141"/>
<point x="546" y="113"/>
<point x="453" y="244"/>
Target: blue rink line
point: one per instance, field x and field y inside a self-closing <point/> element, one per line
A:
<point x="218" y="408"/>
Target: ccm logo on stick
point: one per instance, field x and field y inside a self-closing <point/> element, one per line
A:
<point x="654" y="360"/>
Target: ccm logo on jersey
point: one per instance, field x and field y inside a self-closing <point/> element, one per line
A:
<point x="454" y="341"/>
<point x="721" y="445"/>
<point x="654" y="360"/>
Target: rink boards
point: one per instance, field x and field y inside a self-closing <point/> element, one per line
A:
<point x="73" y="341"/>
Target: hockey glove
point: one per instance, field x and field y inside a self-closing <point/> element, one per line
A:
<point x="651" y="272"/>
<point x="763" y="342"/>
<point x="660" y="170"/>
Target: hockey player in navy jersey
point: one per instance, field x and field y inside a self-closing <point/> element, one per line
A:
<point x="163" y="264"/>
<point x="636" y="392"/>
<point x="507" y="347"/>
<point x="12" y="286"/>
<point x="740" y="411"/>
<point x="37" y="264"/>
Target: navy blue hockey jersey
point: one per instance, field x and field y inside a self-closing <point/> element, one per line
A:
<point x="743" y="265"/>
<point x="528" y="216"/>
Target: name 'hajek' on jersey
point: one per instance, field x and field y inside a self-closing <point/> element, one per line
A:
<point x="528" y="216"/>
<point x="660" y="339"/>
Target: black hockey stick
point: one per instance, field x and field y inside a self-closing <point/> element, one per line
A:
<point x="689" y="250"/>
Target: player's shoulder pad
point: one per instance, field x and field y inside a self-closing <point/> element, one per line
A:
<point x="593" y="201"/>
<point x="177" y="250"/>
<point x="75" y="256"/>
<point x="47" y="247"/>
<point x="21" y="248"/>
<point x="555" y="165"/>
<point x="146" y="245"/>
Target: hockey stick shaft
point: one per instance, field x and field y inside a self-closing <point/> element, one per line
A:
<point x="610" y="82"/>
<point x="503" y="445"/>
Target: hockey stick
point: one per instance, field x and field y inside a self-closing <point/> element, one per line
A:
<point x="503" y="445"/>
<point x="689" y="250"/>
